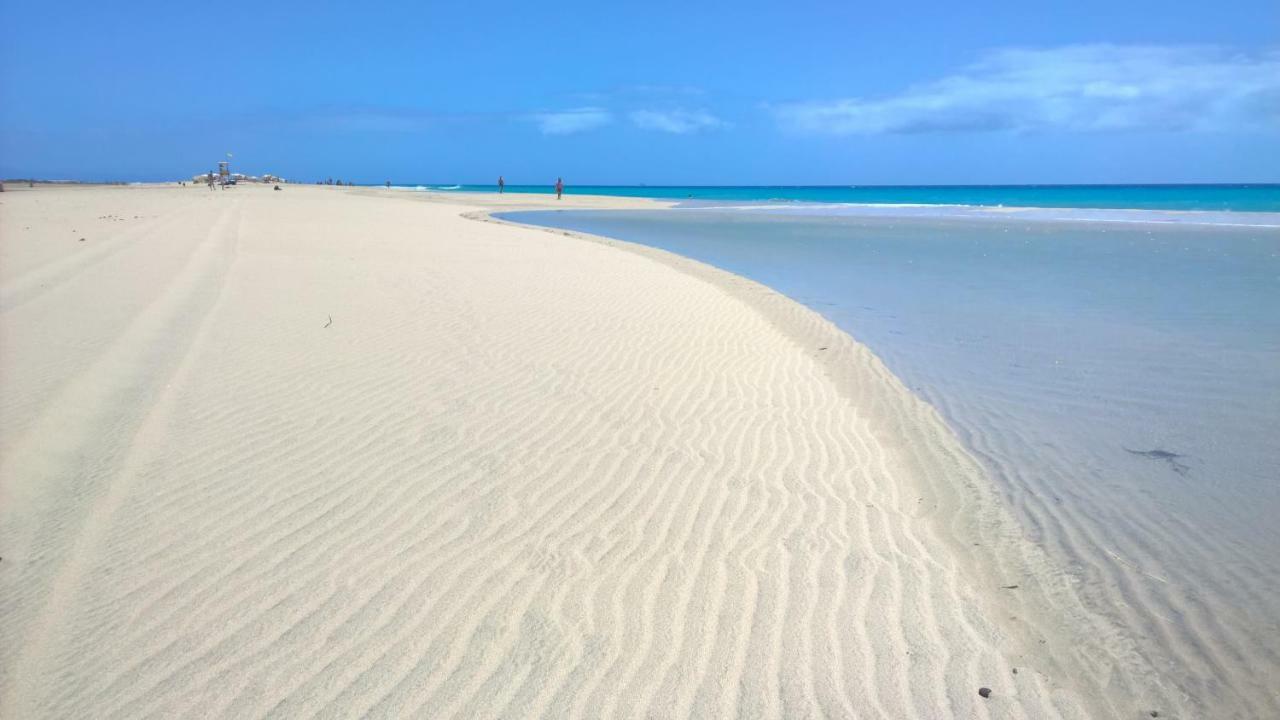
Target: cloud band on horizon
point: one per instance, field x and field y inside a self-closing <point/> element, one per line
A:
<point x="568" y="122"/>
<point x="678" y="122"/>
<point x="1082" y="88"/>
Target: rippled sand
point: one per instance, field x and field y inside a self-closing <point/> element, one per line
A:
<point x="1119" y="381"/>
<point x="343" y="452"/>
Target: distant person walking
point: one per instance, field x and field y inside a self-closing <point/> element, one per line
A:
<point x="559" y="187"/>
<point x="501" y="184"/>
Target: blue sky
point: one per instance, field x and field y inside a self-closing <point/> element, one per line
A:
<point x="657" y="93"/>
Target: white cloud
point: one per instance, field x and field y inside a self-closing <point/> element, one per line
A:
<point x="675" y="121"/>
<point x="662" y="90"/>
<point x="1074" y="88"/>
<point x="576" y="120"/>
<point x="374" y="119"/>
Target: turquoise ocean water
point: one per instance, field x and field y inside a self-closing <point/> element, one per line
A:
<point x="1245" y="198"/>
<point x="1117" y="373"/>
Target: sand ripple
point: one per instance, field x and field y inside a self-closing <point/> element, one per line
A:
<point x="519" y="475"/>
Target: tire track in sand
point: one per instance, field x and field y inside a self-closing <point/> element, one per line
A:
<point x="66" y="433"/>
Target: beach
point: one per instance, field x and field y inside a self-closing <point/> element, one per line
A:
<point x="1117" y="378"/>
<point x="363" y="452"/>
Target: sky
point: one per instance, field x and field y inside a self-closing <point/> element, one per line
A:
<point x="739" y="93"/>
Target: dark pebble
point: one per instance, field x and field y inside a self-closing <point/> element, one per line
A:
<point x="81" y="239"/>
<point x="1015" y="671"/>
<point x="1155" y="713"/>
<point x="984" y="692"/>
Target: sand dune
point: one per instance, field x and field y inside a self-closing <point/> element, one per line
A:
<point x="350" y="453"/>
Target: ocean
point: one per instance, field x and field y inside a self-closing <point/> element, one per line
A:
<point x="1241" y="198"/>
<point x="1117" y="374"/>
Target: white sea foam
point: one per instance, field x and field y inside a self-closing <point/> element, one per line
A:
<point x="924" y="210"/>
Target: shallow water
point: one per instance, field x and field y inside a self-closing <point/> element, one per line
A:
<point x="1119" y="380"/>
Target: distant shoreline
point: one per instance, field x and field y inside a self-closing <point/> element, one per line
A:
<point x="1168" y="197"/>
<point x="1186" y="198"/>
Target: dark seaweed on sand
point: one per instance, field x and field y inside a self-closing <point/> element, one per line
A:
<point x="1169" y="457"/>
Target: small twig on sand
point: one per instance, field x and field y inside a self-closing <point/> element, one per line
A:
<point x="1130" y="565"/>
<point x="330" y="321"/>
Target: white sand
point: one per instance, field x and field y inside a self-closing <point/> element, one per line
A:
<point x="517" y="474"/>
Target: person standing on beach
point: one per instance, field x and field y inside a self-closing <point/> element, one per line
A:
<point x="501" y="184"/>
<point x="559" y="187"/>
